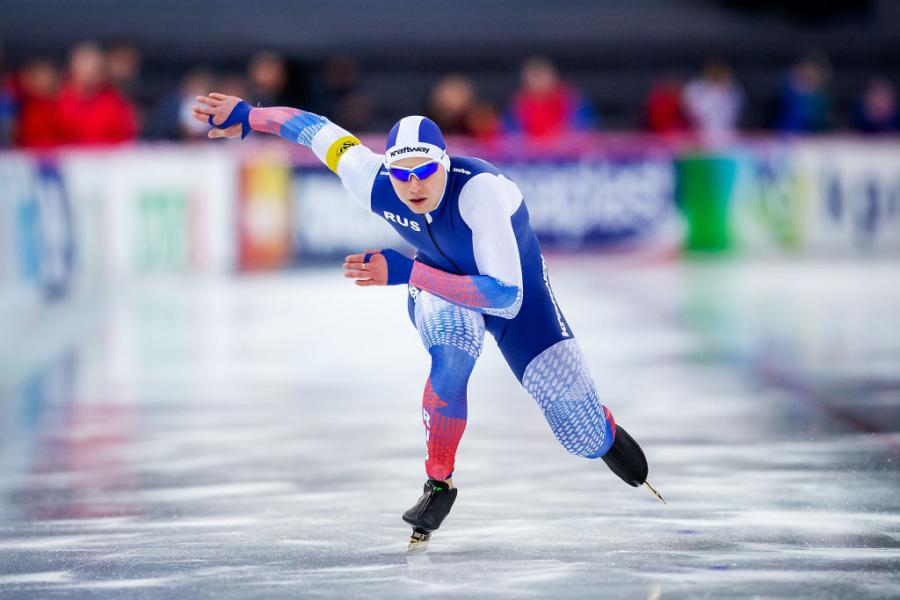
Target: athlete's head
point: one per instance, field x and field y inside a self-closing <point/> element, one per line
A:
<point x="416" y="158"/>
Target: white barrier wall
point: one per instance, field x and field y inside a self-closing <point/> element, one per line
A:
<point x="80" y="217"/>
<point x="151" y="209"/>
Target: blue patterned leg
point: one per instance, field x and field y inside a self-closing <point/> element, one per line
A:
<point x="559" y="381"/>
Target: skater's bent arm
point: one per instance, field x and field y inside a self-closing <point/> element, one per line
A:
<point x="481" y="293"/>
<point x="486" y="204"/>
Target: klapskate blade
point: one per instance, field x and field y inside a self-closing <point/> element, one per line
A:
<point x="654" y="492"/>
<point x="418" y="542"/>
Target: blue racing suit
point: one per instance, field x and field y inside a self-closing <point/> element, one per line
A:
<point x="478" y="267"/>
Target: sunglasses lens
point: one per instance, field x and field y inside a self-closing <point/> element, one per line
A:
<point x="400" y="174"/>
<point x="421" y="172"/>
<point x="426" y="170"/>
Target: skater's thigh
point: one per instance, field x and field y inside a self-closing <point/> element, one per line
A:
<point x="538" y="326"/>
<point x="442" y="323"/>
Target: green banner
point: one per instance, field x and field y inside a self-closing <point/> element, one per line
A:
<point x="704" y="190"/>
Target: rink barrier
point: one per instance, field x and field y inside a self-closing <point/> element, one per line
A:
<point x="579" y="196"/>
<point x="813" y="196"/>
<point x="74" y="219"/>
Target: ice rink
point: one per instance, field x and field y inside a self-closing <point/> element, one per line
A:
<point x="259" y="437"/>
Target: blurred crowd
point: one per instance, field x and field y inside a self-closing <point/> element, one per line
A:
<point x="101" y="96"/>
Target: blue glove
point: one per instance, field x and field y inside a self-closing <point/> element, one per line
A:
<point x="399" y="266"/>
<point x="239" y="114"/>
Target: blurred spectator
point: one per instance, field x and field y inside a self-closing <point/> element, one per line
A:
<point x="803" y="104"/>
<point x="123" y="61"/>
<point x="454" y="107"/>
<point x="545" y="106"/>
<point x="39" y="124"/>
<point x="267" y="80"/>
<point x="713" y="101"/>
<point x="451" y="101"/>
<point x="172" y="118"/>
<point x="662" y="108"/>
<point x="232" y="84"/>
<point x="876" y="109"/>
<point x="338" y="94"/>
<point x="92" y="111"/>
<point x="483" y="121"/>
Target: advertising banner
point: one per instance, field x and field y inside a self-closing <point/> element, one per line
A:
<point x="264" y="214"/>
<point x="824" y="196"/>
<point x="572" y="203"/>
<point x="83" y="217"/>
<point x="156" y="209"/>
<point x="36" y="227"/>
<point x="328" y="223"/>
<point x="16" y="182"/>
<point x="599" y="202"/>
<point x="855" y="189"/>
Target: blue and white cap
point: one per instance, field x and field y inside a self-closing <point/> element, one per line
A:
<point x="416" y="136"/>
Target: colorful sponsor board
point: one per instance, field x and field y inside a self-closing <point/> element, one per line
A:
<point x="823" y="196"/>
<point x="599" y="203"/>
<point x="81" y="217"/>
<point x="264" y="214"/>
<point x="572" y="205"/>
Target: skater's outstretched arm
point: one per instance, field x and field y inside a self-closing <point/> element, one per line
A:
<point x="341" y="151"/>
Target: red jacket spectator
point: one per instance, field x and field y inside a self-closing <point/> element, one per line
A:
<point x="662" y="109"/>
<point x="102" y="116"/>
<point x="91" y="109"/>
<point x="39" y="124"/>
<point x="545" y="106"/>
<point x="546" y="114"/>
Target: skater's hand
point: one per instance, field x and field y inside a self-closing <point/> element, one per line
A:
<point x="374" y="272"/>
<point x="218" y="106"/>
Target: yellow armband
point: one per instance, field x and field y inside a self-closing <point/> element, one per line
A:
<point x="337" y="150"/>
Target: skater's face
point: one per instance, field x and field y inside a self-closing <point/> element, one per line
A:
<point x="420" y="195"/>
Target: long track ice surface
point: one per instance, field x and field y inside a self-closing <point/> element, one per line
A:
<point x="259" y="437"/>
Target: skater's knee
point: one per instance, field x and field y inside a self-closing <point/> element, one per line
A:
<point x="448" y="381"/>
<point x="581" y="428"/>
<point x="443" y="324"/>
<point x="449" y="362"/>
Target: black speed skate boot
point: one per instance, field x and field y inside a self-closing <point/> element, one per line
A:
<point x="428" y="513"/>
<point x="626" y="459"/>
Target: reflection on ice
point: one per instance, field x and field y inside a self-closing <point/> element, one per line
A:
<point x="261" y="436"/>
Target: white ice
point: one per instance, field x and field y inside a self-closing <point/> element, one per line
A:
<point x="259" y="436"/>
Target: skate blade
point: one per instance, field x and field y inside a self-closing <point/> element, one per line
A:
<point x="418" y="542"/>
<point x="654" y="492"/>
